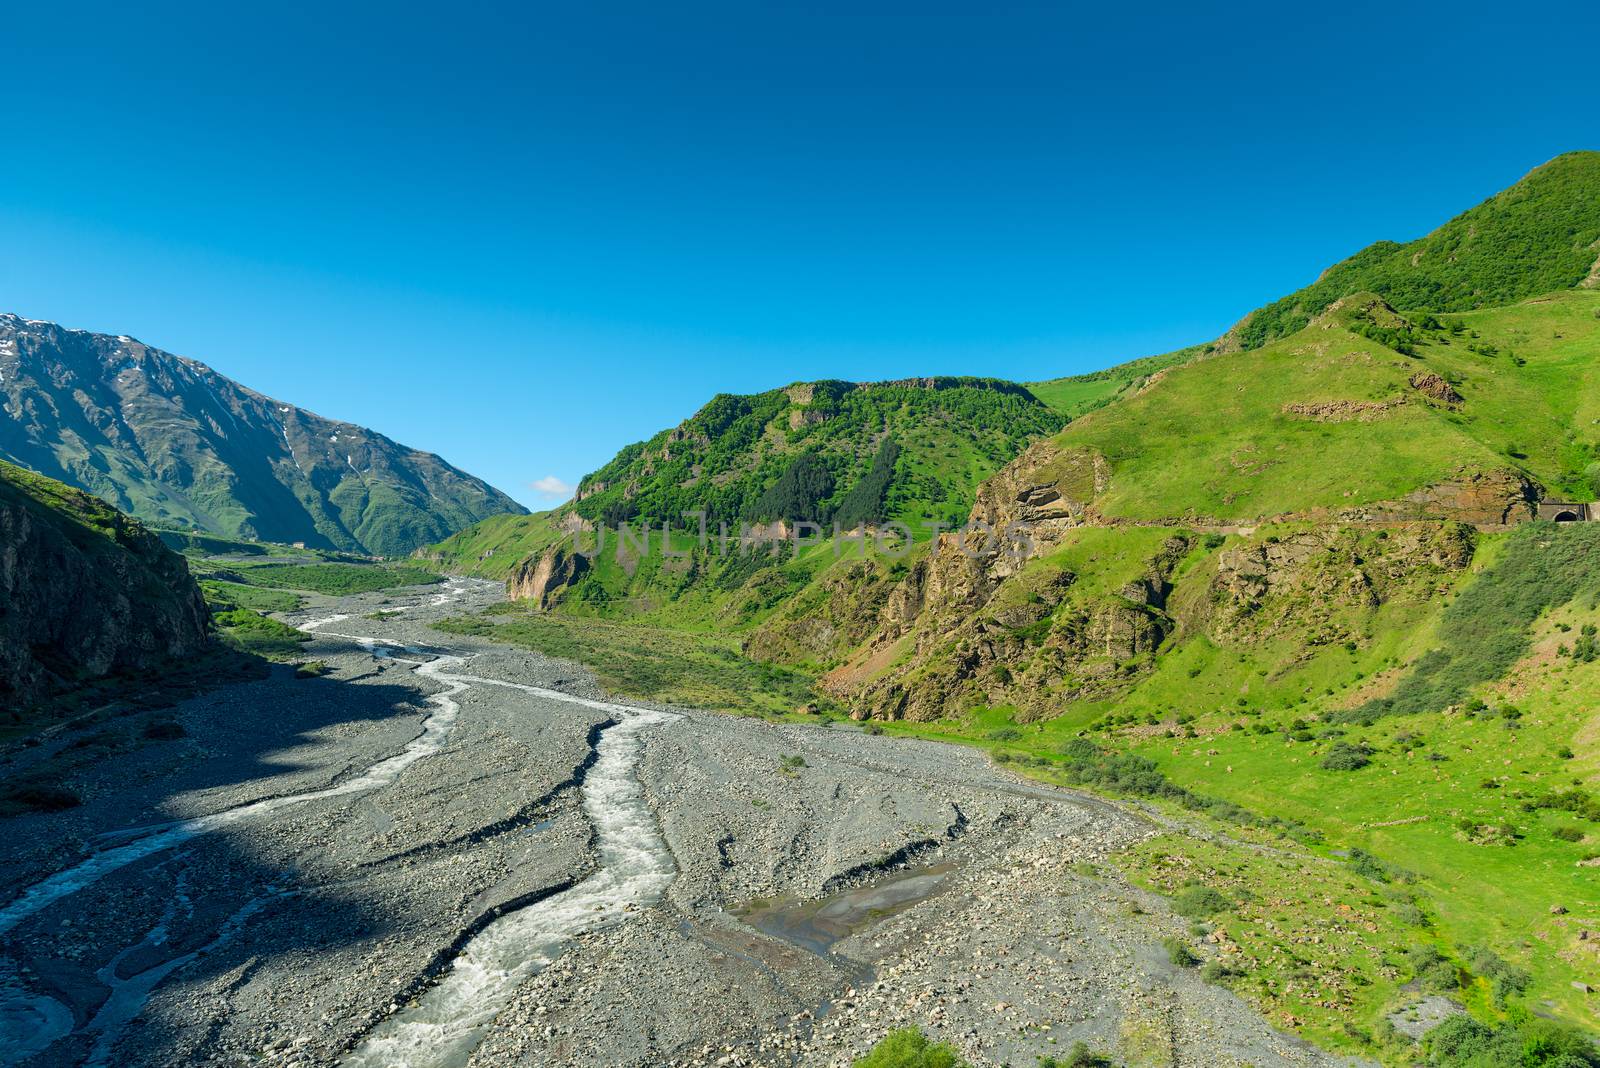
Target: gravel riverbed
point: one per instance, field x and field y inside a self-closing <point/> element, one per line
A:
<point x="826" y="886"/>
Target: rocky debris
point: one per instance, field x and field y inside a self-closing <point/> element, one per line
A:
<point x="1431" y="385"/>
<point x="1495" y="498"/>
<point x="542" y="578"/>
<point x="1343" y="411"/>
<point x="1418" y="1018"/>
<point x="85" y="592"/>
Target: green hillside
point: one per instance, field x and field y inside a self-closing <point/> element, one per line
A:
<point x="909" y="451"/>
<point x="1539" y="236"/>
<point x="833" y="453"/>
<point x="1285" y="589"/>
<point x="1336" y="415"/>
<point x="1078" y="395"/>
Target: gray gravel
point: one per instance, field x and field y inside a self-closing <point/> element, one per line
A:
<point x="281" y="941"/>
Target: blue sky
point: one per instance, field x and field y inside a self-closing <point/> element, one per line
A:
<point x="523" y="236"/>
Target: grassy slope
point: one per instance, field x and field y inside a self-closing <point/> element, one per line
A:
<point x="1539" y="236"/>
<point x="493" y="547"/>
<point x="1322" y="947"/>
<point x="1078" y="395"/>
<point x="1213" y="438"/>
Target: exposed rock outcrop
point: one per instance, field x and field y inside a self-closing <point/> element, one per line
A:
<point x="543" y="577"/>
<point x="1480" y="498"/>
<point x="828" y="619"/>
<point x="1317" y="584"/>
<point x="1431" y="385"/>
<point x="1343" y="411"/>
<point x="85" y="592"/>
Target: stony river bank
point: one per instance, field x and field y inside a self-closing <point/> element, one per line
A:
<point x="446" y="852"/>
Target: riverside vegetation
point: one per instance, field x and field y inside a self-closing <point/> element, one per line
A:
<point x="1288" y="597"/>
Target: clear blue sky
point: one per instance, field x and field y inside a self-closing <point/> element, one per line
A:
<point x="523" y="237"/>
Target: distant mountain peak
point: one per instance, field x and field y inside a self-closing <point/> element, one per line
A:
<point x="174" y="442"/>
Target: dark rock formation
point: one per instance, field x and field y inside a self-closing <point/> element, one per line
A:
<point x="85" y="592"/>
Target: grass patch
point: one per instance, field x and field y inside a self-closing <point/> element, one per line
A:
<point x="336" y="580"/>
<point x="651" y="663"/>
<point x="910" y="1048"/>
<point x="253" y="597"/>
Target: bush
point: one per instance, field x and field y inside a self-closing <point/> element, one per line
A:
<point x="1199" y="902"/>
<point x="1344" y="756"/>
<point x="1507" y="980"/>
<point x="1217" y="972"/>
<point x="1434" y="972"/>
<point x="1179" y="953"/>
<point x="1567" y="834"/>
<point x="164" y="730"/>
<point x="910" y="1048"/>
<point x="35" y="796"/>
<point x="1079" y="1056"/>
<point x="1462" y="1042"/>
<point x="1369" y="866"/>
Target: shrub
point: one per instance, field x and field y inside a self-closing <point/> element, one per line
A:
<point x="1179" y="953"/>
<point x="1199" y="902"/>
<point x="1217" y="972"/>
<point x="1462" y="1042"/>
<point x="909" y="1048"/>
<point x="1344" y="756"/>
<point x="1079" y="1056"/>
<point x="1507" y="980"/>
<point x="1567" y="834"/>
<point x="36" y="796"/>
<point x="1369" y="866"/>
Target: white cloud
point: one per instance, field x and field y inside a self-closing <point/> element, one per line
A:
<point x="551" y="488"/>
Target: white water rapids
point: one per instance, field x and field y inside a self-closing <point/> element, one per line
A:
<point x="449" y="1019"/>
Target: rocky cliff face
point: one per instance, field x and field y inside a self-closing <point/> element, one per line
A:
<point x="1316" y="583"/>
<point x="543" y="577"/>
<point x="980" y="620"/>
<point x="85" y="592"/>
<point x="173" y="442"/>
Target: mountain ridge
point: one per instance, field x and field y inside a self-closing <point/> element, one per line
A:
<point x="171" y="440"/>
